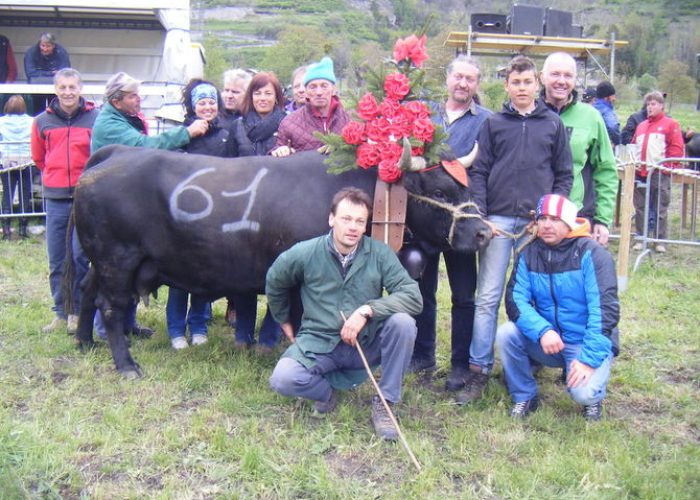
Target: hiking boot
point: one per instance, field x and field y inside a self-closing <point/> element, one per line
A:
<point x="6" y="232"/>
<point x="381" y="421"/>
<point x="141" y="331"/>
<point x="660" y="248"/>
<point x="474" y="387"/>
<point x="326" y="407"/>
<point x="179" y="343"/>
<point x="524" y="408"/>
<point x="592" y="413"/>
<point x="199" y="339"/>
<point x="72" y="324"/>
<point x="421" y="364"/>
<point x="58" y="323"/>
<point x="638" y="246"/>
<point x="457" y="378"/>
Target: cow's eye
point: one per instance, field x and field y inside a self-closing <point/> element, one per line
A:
<point x="438" y="195"/>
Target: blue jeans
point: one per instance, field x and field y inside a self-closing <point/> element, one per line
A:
<point x="461" y="273"/>
<point x="518" y="352"/>
<point x="129" y="321"/>
<point x="392" y="348"/>
<point x="493" y="265"/>
<point x="57" y="216"/>
<point x="178" y="318"/>
<point x="246" y="314"/>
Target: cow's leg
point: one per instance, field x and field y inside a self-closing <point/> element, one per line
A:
<point x="87" y="312"/>
<point x="113" y="315"/>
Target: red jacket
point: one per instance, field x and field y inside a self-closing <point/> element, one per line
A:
<point x="61" y="146"/>
<point x="659" y="137"/>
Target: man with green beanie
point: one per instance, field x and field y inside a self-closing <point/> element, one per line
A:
<point x="323" y="113"/>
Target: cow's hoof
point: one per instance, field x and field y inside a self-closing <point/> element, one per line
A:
<point x="131" y="373"/>
<point x="85" y="346"/>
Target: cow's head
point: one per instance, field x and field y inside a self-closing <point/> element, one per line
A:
<point x="440" y="210"/>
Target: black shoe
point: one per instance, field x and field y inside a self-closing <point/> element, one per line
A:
<point x="474" y="386"/>
<point x="457" y="378"/>
<point x="524" y="408"/>
<point x="326" y="407"/>
<point x="141" y="331"/>
<point x="420" y="364"/>
<point x="23" y="230"/>
<point x="381" y="421"/>
<point x="594" y="412"/>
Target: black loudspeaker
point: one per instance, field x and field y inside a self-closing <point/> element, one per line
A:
<point x="557" y="23"/>
<point x="489" y="23"/>
<point x="526" y="20"/>
<point x="577" y="31"/>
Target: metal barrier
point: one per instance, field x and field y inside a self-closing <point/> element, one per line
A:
<point x="21" y="189"/>
<point x="670" y="190"/>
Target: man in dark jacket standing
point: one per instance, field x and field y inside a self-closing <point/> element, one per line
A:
<point x="462" y="118"/>
<point x="342" y="277"/>
<point x="322" y="113"/>
<point x="523" y="154"/>
<point x="60" y="149"/>
<point x="563" y="309"/>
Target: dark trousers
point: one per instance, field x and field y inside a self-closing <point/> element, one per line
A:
<point x="461" y="274"/>
<point x="13" y="180"/>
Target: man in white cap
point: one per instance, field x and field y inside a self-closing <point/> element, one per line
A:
<point x="323" y="112"/>
<point x="563" y="309"/>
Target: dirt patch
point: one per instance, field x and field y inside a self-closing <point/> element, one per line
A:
<point x="58" y="377"/>
<point x="348" y="465"/>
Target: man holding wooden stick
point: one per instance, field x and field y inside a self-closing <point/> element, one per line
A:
<point x="342" y="277"/>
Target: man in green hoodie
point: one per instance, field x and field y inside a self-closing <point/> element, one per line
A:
<point x="595" y="174"/>
<point x="342" y="277"/>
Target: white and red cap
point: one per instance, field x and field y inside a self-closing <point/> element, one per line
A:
<point x="557" y="205"/>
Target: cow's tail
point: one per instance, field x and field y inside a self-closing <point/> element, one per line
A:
<point x="68" y="279"/>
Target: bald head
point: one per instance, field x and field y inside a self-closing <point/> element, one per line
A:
<point x="558" y="78"/>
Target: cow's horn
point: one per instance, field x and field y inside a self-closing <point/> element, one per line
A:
<point x="409" y="163"/>
<point x="468" y="159"/>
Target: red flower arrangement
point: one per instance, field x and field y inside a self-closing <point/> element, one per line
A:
<point x="389" y="111"/>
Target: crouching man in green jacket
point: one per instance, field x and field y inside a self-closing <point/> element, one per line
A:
<point x="341" y="277"/>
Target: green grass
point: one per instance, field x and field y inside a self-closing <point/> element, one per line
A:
<point x="204" y="424"/>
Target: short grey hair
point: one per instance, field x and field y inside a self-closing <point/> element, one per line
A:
<point x="299" y="71"/>
<point x="67" y="73"/>
<point x="233" y="75"/>
<point x="47" y="38"/>
<point x="561" y="56"/>
<point x="465" y="59"/>
<point x="119" y="85"/>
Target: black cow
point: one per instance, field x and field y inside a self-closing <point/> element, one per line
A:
<point x="692" y="150"/>
<point x="213" y="226"/>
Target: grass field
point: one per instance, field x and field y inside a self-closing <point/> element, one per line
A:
<point x="203" y="423"/>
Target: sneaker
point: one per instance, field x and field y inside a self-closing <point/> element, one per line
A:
<point x="141" y="331"/>
<point x="473" y="388"/>
<point x="660" y="248"/>
<point x="179" y="343"/>
<point x="72" y="324"/>
<point x="199" y="339"/>
<point x="421" y="364"/>
<point x="457" y="378"/>
<point x="524" y="408"/>
<point x="592" y="413"/>
<point x="381" y="421"/>
<point x="58" y="323"/>
<point x="638" y="246"/>
<point x="325" y="407"/>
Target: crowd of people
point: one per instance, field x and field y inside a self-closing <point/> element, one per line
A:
<point x="546" y="152"/>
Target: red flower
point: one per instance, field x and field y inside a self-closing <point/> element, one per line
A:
<point x="423" y="129"/>
<point x="417" y="109"/>
<point x="367" y="107"/>
<point x="391" y="152"/>
<point x="367" y="155"/>
<point x="354" y="133"/>
<point x="389" y="171"/>
<point x="417" y="151"/>
<point x="390" y="108"/>
<point x="412" y="48"/>
<point x="396" y="86"/>
<point x="378" y="130"/>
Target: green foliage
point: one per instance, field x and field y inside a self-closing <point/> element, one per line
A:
<point x="646" y="84"/>
<point x="215" y="55"/>
<point x="494" y="94"/>
<point x="674" y="80"/>
<point x="297" y="45"/>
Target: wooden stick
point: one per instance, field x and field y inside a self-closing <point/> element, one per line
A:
<point x="386" y="405"/>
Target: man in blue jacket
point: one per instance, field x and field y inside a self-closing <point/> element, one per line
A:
<point x="563" y="309"/>
<point x="604" y="102"/>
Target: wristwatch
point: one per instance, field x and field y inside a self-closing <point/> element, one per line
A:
<point x="365" y="314"/>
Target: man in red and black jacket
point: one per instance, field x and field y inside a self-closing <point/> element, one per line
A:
<point x="60" y="148"/>
<point x="658" y="137"/>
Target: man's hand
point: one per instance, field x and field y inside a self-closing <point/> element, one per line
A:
<point x="288" y="331"/>
<point x="494" y="228"/>
<point x="578" y="374"/>
<point x="197" y="128"/>
<point x="551" y="342"/>
<point x="282" y="151"/>
<point x="354" y="325"/>
<point x="601" y="233"/>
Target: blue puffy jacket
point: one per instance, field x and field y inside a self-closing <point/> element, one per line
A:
<point x="570" y="288"/>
